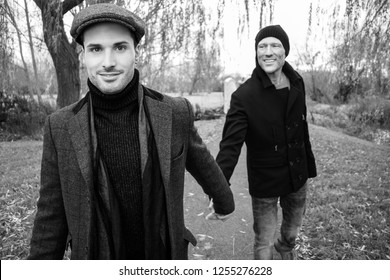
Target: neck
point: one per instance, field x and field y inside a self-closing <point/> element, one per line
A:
<point x="277" y="77"/>
<point x="279" y="80"/>
<point x="115" y="101"/>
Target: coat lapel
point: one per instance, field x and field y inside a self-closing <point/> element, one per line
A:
<point x="79" y="133"/>
<point x="292" y="97"/>
<point x="161" y="122"/>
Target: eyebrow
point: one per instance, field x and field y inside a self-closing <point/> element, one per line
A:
<point x="93" y="45"/>
<point x="121" y="43"/>
<point x="272" y="43"/>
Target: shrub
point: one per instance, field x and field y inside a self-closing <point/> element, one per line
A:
<point x="22" y="116"/>
<point x="372" y="111"/>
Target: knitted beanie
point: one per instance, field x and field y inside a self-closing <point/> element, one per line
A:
<point x="275" y="31"/>
<point x="98" y="13"/>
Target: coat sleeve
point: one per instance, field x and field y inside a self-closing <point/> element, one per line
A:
<point x="202" y="166"/>
<point x="50" y="229"/>
<point x="233" y="136"/>
<point x="311" y="164"/>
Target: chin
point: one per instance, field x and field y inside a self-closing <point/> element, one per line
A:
<point x="270" y="71"/>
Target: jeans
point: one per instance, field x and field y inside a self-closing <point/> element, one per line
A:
<point x="265" y="217"/>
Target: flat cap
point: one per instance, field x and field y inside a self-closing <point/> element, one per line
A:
<point x="98" y="13"/>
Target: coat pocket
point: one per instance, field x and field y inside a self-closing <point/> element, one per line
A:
<point x="189" y="237"/>
<point x="179" y="155"/>
<point x="264" y="162"/>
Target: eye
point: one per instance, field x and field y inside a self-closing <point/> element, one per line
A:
<point x="95" y="49"/>
<point x="121" y="48"/>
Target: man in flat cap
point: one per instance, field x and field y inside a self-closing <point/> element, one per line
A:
<point x="268" y="113"/>
<point x="113" y="163"/>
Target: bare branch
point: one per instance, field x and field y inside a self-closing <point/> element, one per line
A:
<point x="40" y="3"/>
<point x="68" y="5"/>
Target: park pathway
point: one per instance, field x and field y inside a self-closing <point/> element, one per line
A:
<point x="232" y="239"/>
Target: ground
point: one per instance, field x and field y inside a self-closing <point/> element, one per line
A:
<point x="347" y="215"/>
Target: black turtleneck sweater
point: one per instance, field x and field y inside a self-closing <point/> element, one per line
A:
<point x="116" y="124"/>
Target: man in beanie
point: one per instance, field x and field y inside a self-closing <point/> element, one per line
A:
<point x="113" y="164"/>
<point x="268" y="113"/>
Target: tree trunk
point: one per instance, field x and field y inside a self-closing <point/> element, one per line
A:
<point x="63" y="53"/>
<point x="195" y="78"/>
<point x="30" y="42"/>
<point x="33" y="86"/>
<point x="18" y="33"/>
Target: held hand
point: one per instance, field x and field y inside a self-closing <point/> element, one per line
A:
<point x="214" y="216"/>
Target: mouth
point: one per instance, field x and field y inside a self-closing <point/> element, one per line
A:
<point x="269" y="60"/>
<point x="109" y="76"/>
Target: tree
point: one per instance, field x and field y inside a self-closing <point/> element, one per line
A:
<point x="317" y="73"/>
<point x="63" y="53"/>
<point x="31" y="45"/>
<point x="11" y="16"/>
<point x="6" y="53"/>
<point x="178" y="34"/>
<point x="362" y="52"/>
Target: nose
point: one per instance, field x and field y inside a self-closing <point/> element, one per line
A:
<point x="268" y="50"/>
<point x="109" y="59"/>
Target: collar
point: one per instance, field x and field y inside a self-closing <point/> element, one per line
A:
<point x="147" y="91"/>
<point x="287" y="69"/>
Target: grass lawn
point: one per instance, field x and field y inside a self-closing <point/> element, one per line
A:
<point x="347" y="215"/>
<point x="19" y="186"/>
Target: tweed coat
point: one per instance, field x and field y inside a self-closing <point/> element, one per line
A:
<point x="279" y="154"/>
<point x="64" y="205"/>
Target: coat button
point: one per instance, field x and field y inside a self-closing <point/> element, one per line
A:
<point x="289" y="145"/>
<point x="298" y="160"/>
<point x="300" y="177"/>
<point x="291" y="163"/>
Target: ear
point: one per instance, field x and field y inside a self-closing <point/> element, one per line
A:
<point x="82" y="56"/>
<point x="137" y="52"/>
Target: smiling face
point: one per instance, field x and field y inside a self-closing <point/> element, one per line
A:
<point x="109" y="56"/>
<point x="271" y="55"/>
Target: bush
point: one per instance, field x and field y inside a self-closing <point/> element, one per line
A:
<point x="367" y="118"/>
<point x="22" y="116"/>
<point x="372" y="111"/>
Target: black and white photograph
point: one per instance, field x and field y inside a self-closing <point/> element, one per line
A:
<point x="196" y="130"/>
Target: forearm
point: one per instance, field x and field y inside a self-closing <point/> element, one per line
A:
<point x="202" y="166"/>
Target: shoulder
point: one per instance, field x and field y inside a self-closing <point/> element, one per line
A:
<point x="292" y="74"/>
<point x="62" y="115"/>
<point x="177" y="103"/>
<point x="246" y="89"/>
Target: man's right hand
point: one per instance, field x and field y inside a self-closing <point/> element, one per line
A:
<point x="215" y="216"/>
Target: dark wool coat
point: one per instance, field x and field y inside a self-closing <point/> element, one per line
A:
<point x="279" y="154"/>
<point x="64" y="206"/>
